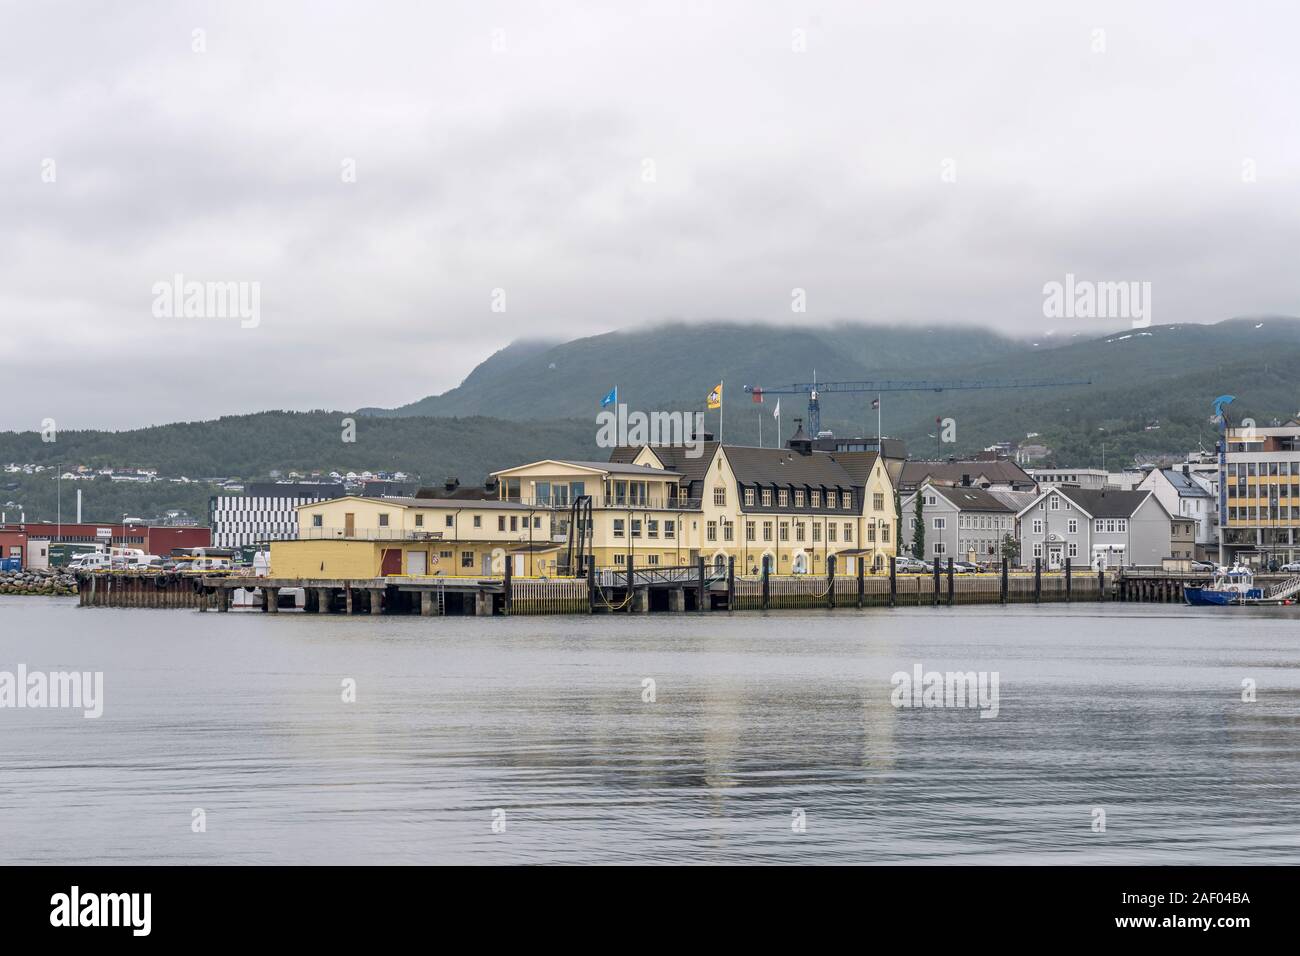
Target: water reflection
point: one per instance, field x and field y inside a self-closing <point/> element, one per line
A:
<point x="1133" y="709"/>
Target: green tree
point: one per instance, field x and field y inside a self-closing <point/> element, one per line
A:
<point x="918" y="531"/>
<point x="1010" y="549"/>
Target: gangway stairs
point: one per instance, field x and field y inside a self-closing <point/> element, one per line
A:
<point x="1280" y="592"/>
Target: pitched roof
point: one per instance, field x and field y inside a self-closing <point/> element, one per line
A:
<point x="973" y="499"/>
<point x="674" y="457"/>
<point x="1017" y="501"/>
<point x="857" y="463"/>
<point x="1003" y="470"/>
<point x="1184" y="485"/>
<point x="780" y="466"/>
<point x="1106" y="503"/>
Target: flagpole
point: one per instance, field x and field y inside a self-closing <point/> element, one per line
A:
<point x="760" y="426"/>
<point x="879" y="449"/>
<point x="720" y="394"/>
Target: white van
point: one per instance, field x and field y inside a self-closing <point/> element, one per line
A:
<point x="90" y="561"/>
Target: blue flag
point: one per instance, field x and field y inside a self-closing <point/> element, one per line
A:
<point x="611" y="398"/>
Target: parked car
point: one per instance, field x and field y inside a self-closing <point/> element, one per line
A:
<point x="1292" y="568"/>
<point x="965" y="567"/>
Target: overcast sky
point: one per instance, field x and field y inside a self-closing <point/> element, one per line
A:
<point x="606" y="165"/>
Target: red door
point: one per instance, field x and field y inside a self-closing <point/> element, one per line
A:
<point x="392" y="562"/>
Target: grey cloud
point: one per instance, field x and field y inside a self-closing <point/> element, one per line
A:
<point x="523" y="170"/>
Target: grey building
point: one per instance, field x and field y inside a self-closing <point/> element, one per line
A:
<point x="1106" y="529"/>
<point x="965" y="524"/>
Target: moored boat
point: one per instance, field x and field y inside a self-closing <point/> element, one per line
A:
<point x="1234" y="585"/>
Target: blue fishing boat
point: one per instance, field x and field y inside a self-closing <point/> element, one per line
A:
<point x="1229" y="586"/>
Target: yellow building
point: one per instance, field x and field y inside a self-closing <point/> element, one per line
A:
<point x="791" y="508"/>
<point x="638" y="509"/>
<point x="358" y="537"/>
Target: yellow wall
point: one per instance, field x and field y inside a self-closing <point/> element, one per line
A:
<point x="324" y="559"/>
<point x="435" y="515"/>
<point x="336" y="558"/>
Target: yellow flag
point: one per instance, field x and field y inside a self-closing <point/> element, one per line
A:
<point x="715" y="397"/>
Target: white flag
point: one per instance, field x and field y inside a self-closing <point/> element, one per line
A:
<point x="776" y="412"/>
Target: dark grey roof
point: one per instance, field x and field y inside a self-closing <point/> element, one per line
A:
<point x="293" y="489"/>
<point x="1185" y="486"/>
<point x="1002" y="470"/>
<point x="892" y="447"/>
<point x="857" y="464"/>
<point x="780" y="466"/>
<point x="973" y="499"/>
<point x="379" y="488"/>
<point x="1105" y="504"/>
<point x="674" y="457"/>
<point x="459" y="493"/>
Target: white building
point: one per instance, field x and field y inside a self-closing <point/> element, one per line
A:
<point x="1090" y="479"/>
<point x="1187" y="494"/>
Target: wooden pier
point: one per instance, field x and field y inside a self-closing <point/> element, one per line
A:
<point x="683" y="589"/>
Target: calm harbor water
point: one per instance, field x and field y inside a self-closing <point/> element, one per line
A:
<point x="541" y="723"/>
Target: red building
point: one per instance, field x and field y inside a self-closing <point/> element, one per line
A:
<point x="152" y="539"/>
<point x="13" y="544"/>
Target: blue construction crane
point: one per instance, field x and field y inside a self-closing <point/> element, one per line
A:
<point x="814" y="389"/>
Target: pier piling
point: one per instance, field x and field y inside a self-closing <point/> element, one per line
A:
<point x="830" y="581"/>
